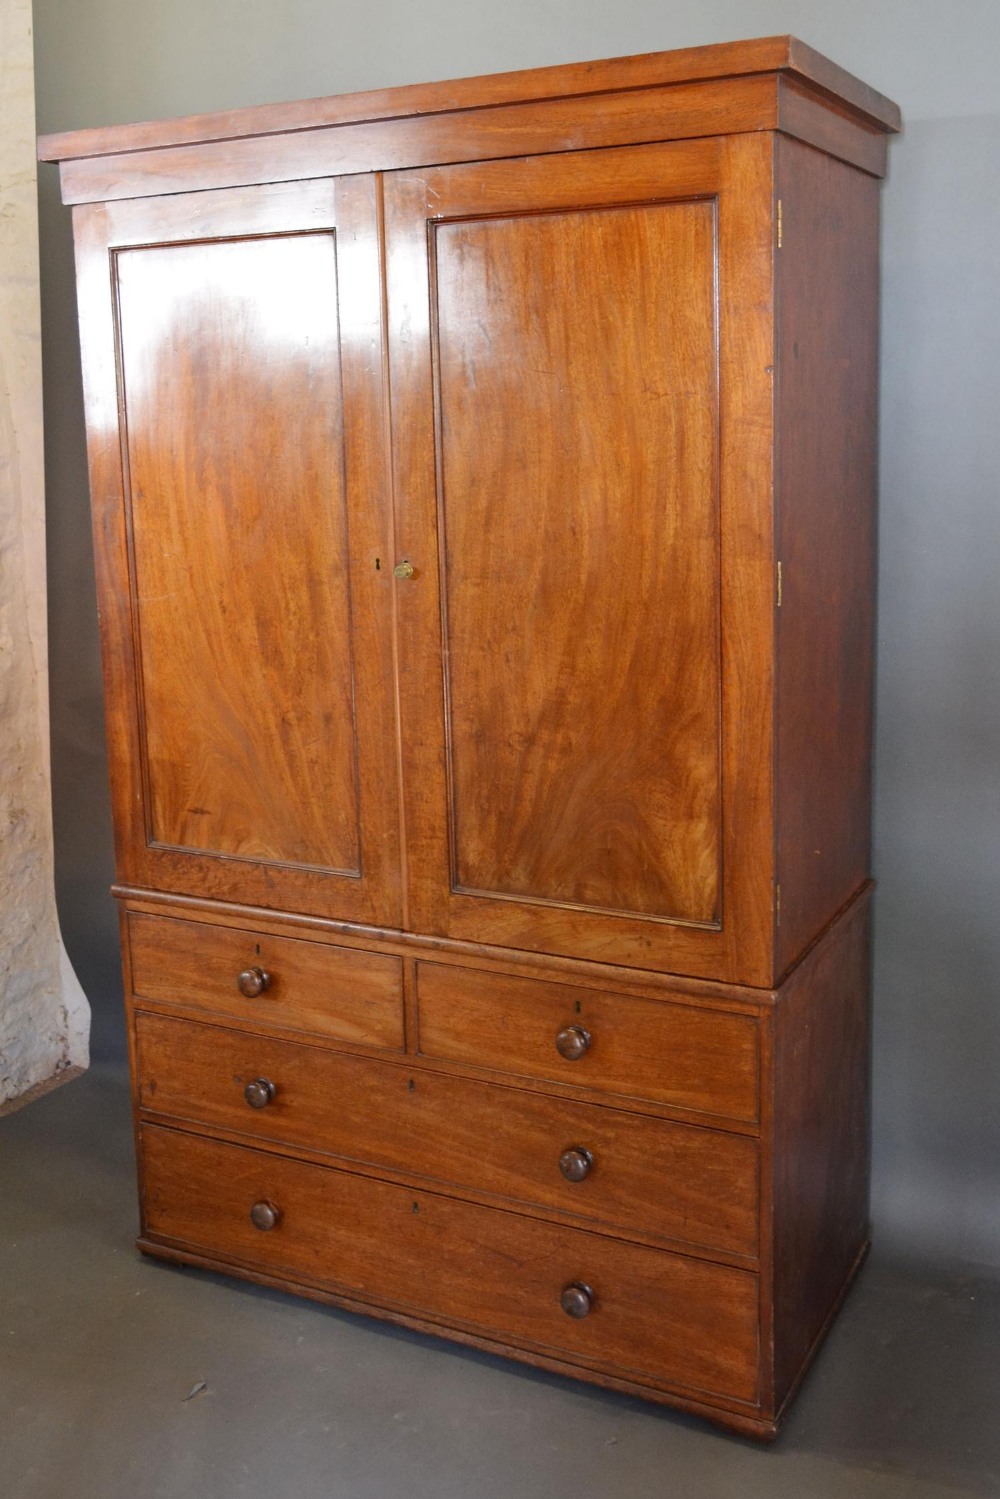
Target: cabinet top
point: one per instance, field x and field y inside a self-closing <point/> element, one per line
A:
<point x="784" y="55"/>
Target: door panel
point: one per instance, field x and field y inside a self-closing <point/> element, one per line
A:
<point x="588" y="769"/>
<point x="249" y="376"/>
<point x="240" y="575"/>
<point x="576" y="404"/>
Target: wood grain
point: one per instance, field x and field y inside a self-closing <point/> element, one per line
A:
<point x="484" y="557"/>
<point x="821" y="1145"/>
<point x="691" y="111"/>
<point x="688" y="1323"/>
<point x="650" y="984"/>
<point x="577" y="409"/>
<point x="827" y="405"/>
<point x="727" y="60"/>
<point x="640" y="1048"/>
<point x="694" y="1187"/>
<point x="326" y="991"/>
<point x="686" y="111"/>
<point x="818" y="122"/>
<point x="251" y="737"/>
<point x="227" y="350"/>
<point x="523" y="556"/>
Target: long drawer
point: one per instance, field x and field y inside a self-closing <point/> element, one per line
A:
<point x="702" y="1060"/>
<point x="313" y="987"/>
<point x="648" y="1314"/>
<point x="653" y="1177"/>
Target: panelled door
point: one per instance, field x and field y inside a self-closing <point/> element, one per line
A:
<point x="233" y="371"/>
<point x="580" y="350"/>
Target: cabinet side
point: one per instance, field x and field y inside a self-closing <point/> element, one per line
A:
<point x="820" y="1140"/>
<point x="111" y="563"/>
<point x="826" y="273"/>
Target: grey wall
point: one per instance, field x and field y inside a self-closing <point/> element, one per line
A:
<point x="937" y="1053"/>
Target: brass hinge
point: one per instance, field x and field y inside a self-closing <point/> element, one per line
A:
<point x="779" y="585"/>
<point x="777" y="905"/>
<point x="779" y="223"/>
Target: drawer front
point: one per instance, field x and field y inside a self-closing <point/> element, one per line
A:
<point x="650" y="1176"/>
<point x="655" y="1316"/>
<point x="326" y="991"/>
<point x="667" y="1053"/>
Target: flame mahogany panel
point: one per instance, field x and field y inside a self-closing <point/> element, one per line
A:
<point x="239" y="546"/>
<point x="577" y="382"/>
<point x="233" y="378"/>
<point x="590" y="535"/>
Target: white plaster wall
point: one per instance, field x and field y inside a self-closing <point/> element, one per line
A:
<point x="44" y="1017"/>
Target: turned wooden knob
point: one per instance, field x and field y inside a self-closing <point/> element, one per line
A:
<point x="253" y="981"/>
<point x="259" y="1092"/>
<point x="575" y="1163"/>
<point x="572" y="1041"/>
<point x="576" y="1299"/>
<point x="264" y="1215"/>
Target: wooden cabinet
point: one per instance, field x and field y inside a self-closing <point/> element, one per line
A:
<point x="483" y="482"/>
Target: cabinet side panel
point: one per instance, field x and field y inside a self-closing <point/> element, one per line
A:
<point x="98" y="370"/>
<point x="827" y="309"/>
<point x="821" y="1138"/>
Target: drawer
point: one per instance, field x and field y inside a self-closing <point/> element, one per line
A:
<point x="664" y="1052"/>
<point x="326" y="991"/>
<point x="648" y="1176"/>
<point x="655" y="1316"/>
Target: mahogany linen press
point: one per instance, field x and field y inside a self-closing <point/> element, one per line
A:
<point x="483" y="481"/>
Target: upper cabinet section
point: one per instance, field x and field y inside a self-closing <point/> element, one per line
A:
<point x="483" y="503"/>
<point x="774" y="83"/>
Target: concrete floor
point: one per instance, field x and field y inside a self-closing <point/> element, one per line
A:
<point x="101" y="1349"/>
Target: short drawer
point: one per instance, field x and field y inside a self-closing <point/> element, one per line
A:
<point x="669" y="1053"/>
<point x="647" y="1176"/>
<point x="653" y="1315"/>
<point x="326" y="991"/>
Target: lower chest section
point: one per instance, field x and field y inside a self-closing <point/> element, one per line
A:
<point x="578" y="1176"/>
